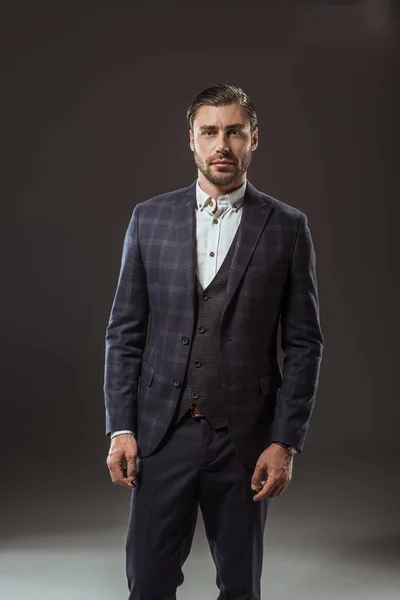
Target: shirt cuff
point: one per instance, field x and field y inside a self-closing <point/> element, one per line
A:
<point x="288" y="445"/>
<point x="119" y="432"/>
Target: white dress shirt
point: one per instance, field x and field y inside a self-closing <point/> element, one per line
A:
<point x="216" y="224"/>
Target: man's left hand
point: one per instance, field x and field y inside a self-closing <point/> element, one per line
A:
<point x="278" y="464"/>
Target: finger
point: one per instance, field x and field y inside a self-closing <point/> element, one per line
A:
<point x="257" y="475"/>
<point x="125" y="482"/>
<point x="278" y="491"/>
<point x="117" y="471"/>
<point x="118" y="476"/>
<point x="267" y="487"/>
<point x="121" y="479"/>
<point x="131" y="468"/>
<point x="280" y="485"/>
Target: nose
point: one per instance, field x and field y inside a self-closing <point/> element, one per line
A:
<point x="222" y="145"/>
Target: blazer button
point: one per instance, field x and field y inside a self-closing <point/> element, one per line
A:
<point x="185" y="341"/>
<point x="202" y="329"/>
<point x="195" y="395"/>
<point x="177" y="383"/>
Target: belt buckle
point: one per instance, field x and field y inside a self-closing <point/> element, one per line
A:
<point x="194" y="415"/>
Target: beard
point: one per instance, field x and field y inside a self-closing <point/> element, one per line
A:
<point x="223" y="176"/>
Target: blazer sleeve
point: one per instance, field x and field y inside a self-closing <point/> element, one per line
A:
<point x="126" y="335"/>
<point x="302" y="344"/>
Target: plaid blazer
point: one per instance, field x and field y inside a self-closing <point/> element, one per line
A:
<point x="272" y="282"/>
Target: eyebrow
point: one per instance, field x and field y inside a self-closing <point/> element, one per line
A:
<point x="233" y="126"/>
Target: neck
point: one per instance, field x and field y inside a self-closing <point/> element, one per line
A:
<point x="219" y="190"/>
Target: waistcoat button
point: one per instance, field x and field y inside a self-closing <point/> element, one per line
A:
<point x="197" y="363"/>
<point x="195" y="395"/>
<point x="202" y="329"/>
<point x="205" y="296"/>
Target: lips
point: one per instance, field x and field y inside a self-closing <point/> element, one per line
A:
<point x="222" y="162"/>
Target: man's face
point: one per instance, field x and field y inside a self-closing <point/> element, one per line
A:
<point x="222" y="133"/>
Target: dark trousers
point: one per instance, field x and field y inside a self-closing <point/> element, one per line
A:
<point x="194" y="465"/>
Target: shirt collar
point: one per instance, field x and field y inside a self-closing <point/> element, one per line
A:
<point x="235" y="198"/>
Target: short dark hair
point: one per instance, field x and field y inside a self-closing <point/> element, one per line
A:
<point x="222" y="94"/>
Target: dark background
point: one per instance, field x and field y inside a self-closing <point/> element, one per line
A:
<point x="94" y="121"/>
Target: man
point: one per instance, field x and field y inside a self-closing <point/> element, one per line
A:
<point x="208" y="272"/>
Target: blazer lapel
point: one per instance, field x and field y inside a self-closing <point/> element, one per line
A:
<point x="185" y="225"/>
<point x="256" y="212"/>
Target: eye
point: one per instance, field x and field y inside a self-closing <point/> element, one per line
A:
<point x="235" y="131"/>
<point x="207" y="132"/>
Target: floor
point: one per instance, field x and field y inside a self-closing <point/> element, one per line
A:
<point x="333" y="535"/>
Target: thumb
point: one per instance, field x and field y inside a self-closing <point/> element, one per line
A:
<point x="131" y="468"/>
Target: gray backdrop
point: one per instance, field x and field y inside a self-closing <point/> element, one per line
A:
<point x="95" y="99"/>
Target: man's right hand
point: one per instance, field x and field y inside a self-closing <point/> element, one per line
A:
<point x="121" y="460"/>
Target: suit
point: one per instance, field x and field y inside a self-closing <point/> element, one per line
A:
<point x="270" y="280"/>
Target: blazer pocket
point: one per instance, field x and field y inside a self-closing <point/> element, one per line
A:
<point x="279" y="269"/>
<point x="269" y="384"/>
<point x="265" y="384"/>
<point x="147" y="373"/>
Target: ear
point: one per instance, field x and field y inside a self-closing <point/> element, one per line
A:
<point x="191" y="140"/>
<point x="254" y="139"/>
